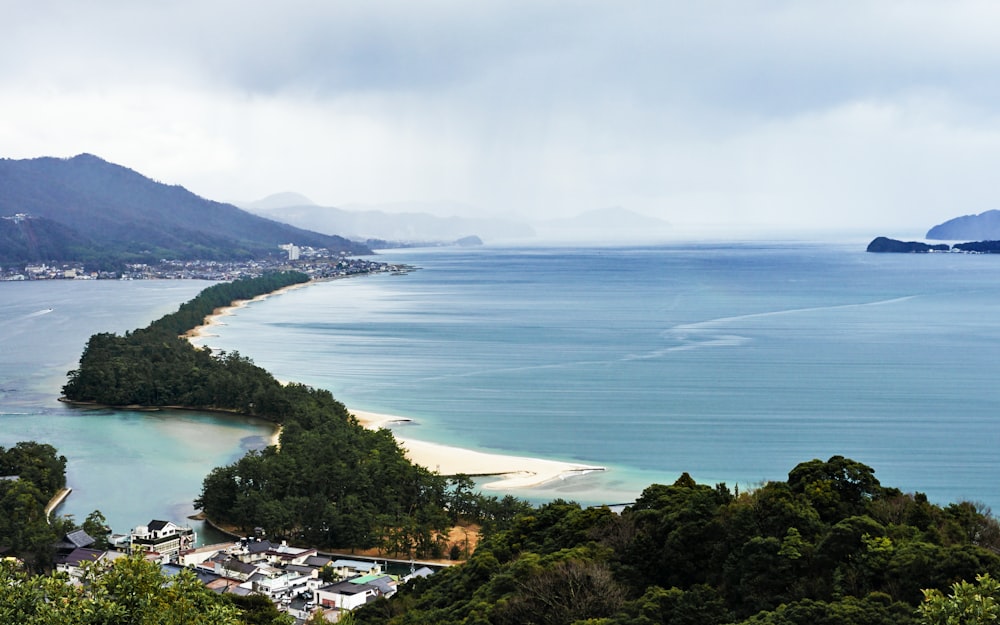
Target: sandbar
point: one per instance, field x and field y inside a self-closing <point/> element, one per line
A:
<point x="512" y="471"/>
<point x="215" y="318"/>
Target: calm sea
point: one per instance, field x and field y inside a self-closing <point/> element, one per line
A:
<point x="133" y="466"/>
<point x="732" y="362"/>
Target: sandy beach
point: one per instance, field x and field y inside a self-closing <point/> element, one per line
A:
<point x="215" y="318"/>
<point x="512" y="471"/>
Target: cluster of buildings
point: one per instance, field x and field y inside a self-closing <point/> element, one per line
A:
<point x="317" y="265"/>
<point x="300" y="581"/>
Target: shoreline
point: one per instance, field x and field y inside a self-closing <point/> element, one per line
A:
<point x="214" y="319"/>
<point x="512" y="472"/>
<point x="56" y="501"/>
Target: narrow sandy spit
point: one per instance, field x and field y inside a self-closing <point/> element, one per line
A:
<point x="513" y="471"/>
<point x="218" y="314"/>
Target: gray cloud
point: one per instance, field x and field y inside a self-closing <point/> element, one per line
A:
<point x="812" y="114"/>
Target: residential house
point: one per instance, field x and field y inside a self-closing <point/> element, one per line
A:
<point x="385" y="584"/>
<point x="72" y="562"/>
<point x="352" y="568"/>
<point x="72" y="541"/>
<point x="162" y="537"/>
<point x="193" y="557"/>
<point x="345" y="595"/>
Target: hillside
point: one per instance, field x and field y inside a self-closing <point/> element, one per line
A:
<point x="102" y="210"/>
<point x="984" y="226"/>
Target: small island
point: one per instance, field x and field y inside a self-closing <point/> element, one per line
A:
<point x="894" y="246"/>
<point x="887" y="245"/>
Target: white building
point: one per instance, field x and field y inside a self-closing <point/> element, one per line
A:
<point x="162" y="537"/>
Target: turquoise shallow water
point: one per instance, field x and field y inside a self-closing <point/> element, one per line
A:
<point x="731" y="362"/>
<point x="133" y="466"/>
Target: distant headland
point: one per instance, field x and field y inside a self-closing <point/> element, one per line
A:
<point x="887" y="245"/>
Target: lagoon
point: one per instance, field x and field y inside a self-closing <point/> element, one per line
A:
<point x="132" y="465"/>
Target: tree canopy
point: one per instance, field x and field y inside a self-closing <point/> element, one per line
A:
<point x="830" y="545"/>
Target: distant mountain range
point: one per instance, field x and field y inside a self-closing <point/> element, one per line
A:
<point x="388" y="223"/>
<point x="405" y="226"/>
<point x="87" y="209"/>
<point x="984" y="226"/>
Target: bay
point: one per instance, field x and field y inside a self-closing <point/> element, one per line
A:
<point x="733" y="362"/>
<point x="133" y="466"/>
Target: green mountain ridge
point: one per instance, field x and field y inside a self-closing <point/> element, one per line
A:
<point x="109" y="211"/>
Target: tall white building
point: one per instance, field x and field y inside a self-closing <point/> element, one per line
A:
<point x="292" y="249"/>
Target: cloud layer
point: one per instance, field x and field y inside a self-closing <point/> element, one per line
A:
<point x="810" y="115"/>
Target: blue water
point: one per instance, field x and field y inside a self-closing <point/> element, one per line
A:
<point x="133" y="466"/>
<point x="731" y="362"/>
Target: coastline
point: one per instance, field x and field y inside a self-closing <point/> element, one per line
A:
<point x="511" y="471"/>
<point x="214" y="319"/>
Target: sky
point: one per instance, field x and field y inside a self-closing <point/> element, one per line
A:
<point x="824" y="115"/>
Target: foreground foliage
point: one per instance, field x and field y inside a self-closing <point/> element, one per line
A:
<point x="828" y="546"/>
<point x="129" y="590"/>
<point x="968" y="603"/>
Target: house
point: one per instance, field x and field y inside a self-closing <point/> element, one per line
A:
<point x="193" y="557"/>
<point x="345" y="595"/>
<point x="163" y="537"/>
<point x="352" y="568"/>
<point x="254" y="550"/>
<point x="385" y="584"/>
<point x="283" y="554"/>
<point x="72" y="541"/>
<point x="203" y="576"/>
<point x="423" y="571"/>
<point x="317" y="562"/>
<point x="228" y="566"/>
<point x="72" y="563"/>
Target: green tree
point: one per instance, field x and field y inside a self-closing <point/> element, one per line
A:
<point x="967" y="604"/>
<point x="96" y="527"/>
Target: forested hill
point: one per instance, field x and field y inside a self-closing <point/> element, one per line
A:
<point x="828" y="546"/>
<point x="105" y="210"/>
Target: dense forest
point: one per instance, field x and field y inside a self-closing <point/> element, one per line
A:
<point x="829" y="546"/>
<point x="157" y="366"/>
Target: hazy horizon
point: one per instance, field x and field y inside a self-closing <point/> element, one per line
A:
<point x="751" y="116"/>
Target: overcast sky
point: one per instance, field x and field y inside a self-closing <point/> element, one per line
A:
<point x="839" y="114"/>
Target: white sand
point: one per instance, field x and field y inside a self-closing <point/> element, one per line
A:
<point x="514" y="471"/>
